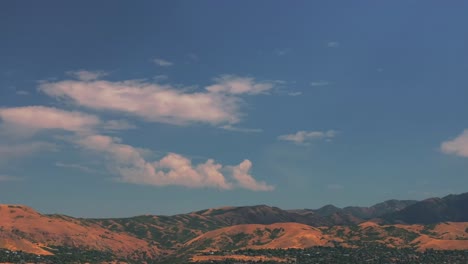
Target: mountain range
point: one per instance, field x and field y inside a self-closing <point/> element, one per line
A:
<point x="439" y="223"/>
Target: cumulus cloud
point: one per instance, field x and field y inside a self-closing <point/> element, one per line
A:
<point x="34" y="118"/>
<point x="126" y="161"/>
<point x="162" y="63"/>
<point x="130" y="165"/>
<point x="305" y="137"/>
<point x="242" y="175"/>
<point x="161" y="103"/>
<point x="231" y="84"/>
<point x="457" y="146"/>
<point x="218" y="104"/>
<point x="87" y="76"/>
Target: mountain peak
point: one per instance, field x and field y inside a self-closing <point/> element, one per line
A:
<point x="327" y="210"/>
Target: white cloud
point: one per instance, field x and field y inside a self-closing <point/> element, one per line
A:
<point x="305" y="137"/>
<point x="457" y="146"/>
<point x="319" y="83"/>
<point x="24" y="122"/>
<point x="126" y="161"/>
<point x="161" y="103"/>
<point x="236" y="85"/>
<point x="173" y="169"/>
<point x="152" y="102"/>
<point x="245" y="180"/>
<point x="242" y="129"/>
<point x="162" y="63"/>
<point x="87" y="76"/>
<point x="219" y="105"/>
<point x="30" y="119"/>
<point x="117" y="125"/>
<point x="333" y="44"/>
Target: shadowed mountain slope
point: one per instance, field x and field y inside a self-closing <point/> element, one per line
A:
<point x="451" y="208"/>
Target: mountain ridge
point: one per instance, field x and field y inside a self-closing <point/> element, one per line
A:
<point x="439" y="223"/>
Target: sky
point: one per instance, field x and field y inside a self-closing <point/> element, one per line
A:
<point x="117" y="108"/>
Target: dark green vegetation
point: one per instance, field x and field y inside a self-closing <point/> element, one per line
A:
<point x="373" y="253"/>
<point x="61" y="255"/>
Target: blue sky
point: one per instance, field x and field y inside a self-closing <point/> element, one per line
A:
<point x="113" y="108"/>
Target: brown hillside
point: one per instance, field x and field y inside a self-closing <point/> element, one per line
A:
<point x="443" y="236"/>
<point x="279" y="235"/>
<point x="24" y="229"/>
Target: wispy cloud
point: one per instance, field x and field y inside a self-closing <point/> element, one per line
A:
<point x="333" y="44"/>
<point x="19" y="150"/>
<point x="33" y="118"/>
<point x="22" y="92"/>
<point x="457" y="146"/>
<point x="152" y="102"/>
<point x="319" y="83"/>
<point x="193" y="56"/>
<point x="306" y="137"/>
<point x="117" y="125"/>
<point x="242" y="129"/>
<point x="77" y="167"/>
<point x="282" y="52"/>
<point x="86" y="76"/>
<point x="162" y="62"/>
<point x="219" y="104"/>
<point x="231" y="84"/>
<point x="294" y="93"/>
<point x="160" y="77"/>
